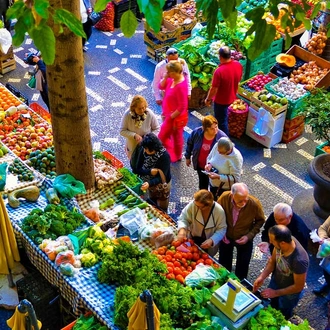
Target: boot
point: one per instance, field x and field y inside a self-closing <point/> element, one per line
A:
<point x="321" y="289"/>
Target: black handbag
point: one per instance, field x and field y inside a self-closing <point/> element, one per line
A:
<point x="94" y="17"/>
<point x="221" y="190"/>
<point x="160" y="191"/>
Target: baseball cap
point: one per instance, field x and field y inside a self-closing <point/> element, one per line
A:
<point x="171" y="51"/>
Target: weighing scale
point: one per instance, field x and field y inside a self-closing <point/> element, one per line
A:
<point x="234" y="304"/>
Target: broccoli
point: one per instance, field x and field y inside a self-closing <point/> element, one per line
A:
<point x="69" y="228"/>
<point x="58" y="228"/>
<point x="43" y="225"/>
<point x="89" y="259"/>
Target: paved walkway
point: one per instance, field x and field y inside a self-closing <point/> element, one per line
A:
<point x="116" y="69"/>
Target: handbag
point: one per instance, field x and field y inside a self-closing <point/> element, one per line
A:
<point x="161" y="190"/>
<point x="221" y="190"/>
<point x="94" y="17"/>
<point x="32" y="82"/>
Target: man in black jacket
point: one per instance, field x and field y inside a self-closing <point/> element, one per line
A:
<point x="283" y="215"/>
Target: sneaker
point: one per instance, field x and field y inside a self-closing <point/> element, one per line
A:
<point x="321" y="289"/>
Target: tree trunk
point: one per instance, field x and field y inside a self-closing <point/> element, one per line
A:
<point x="68" y="104"/>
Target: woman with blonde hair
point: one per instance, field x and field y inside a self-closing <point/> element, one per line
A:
<point x="137" y="121"/>
<point x="174" y="109"/>
<point x="204" y="221"/>
<point x="199" y="144"/>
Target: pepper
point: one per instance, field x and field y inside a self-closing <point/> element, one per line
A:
<point x="119" y="191"/>
<point x="136" y="202"/>
<point x="109" y="202"/>
<point x="122" y="196"/>
<point x="128" y="199"/>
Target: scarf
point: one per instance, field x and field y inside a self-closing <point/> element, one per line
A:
<point x="139" y="119"/>
<point x="150" y="161"/>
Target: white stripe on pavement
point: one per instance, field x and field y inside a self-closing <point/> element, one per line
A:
<point x="94" y="95"/>
<point x="305" y="154"/>
<point x="118" y="83"/>
<point x="136" y="75"/>
<point x="291" y="176"/>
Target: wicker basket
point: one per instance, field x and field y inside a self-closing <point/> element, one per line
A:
<point x="197" y="99"/>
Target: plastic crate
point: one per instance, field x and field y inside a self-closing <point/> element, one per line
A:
<point x="72" y="324"/>
<point x="136" y="188"/>
<point x="253" y="67"/>
<point x="43" y="296"/>
<point x="293" y="105"/>
<point x="115" y="162"/>
<point x="119" y="13"/>
<point x="17" y="93"/>
<point x="319" y="150"/>
<point x="41" y="111"/>
<point x="276" y="47"/>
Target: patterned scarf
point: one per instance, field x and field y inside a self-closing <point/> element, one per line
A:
<point x="150" y="161"/>
<point x="139" y="119"/>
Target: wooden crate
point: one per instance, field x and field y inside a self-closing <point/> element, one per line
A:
<point x="292" y="134"/>
<point x="8" y="55"/>
<point x="261" y="104"/>
<point x="306" y="56"/>
<point x="7" y="66"/>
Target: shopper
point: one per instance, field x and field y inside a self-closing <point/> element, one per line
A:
<point x="224" y="166"/>
<point x="85" y="10"/>
<point x="324" y="233"/>
<point x="41" y="79"/>
<point x="174" y="109"/>
<point x="245" y="217"/>
<point x="283" y="215"/>
<point x="199" y="144"/>
<point x="204" y="221"/>
<point x="137" y="121"/>
<point x="160" y="72"/>
<point x="147" y="160"/>
<point x="288" y="267"/>
<point x="224" y="87"/>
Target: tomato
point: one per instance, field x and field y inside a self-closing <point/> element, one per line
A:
<point x="185" y="273"/>
<point x="160" y="258"/>
<point x="170" y="264"/>
<point x="200" y="261"/>
<point x="185" y="265"/>
<point x="177" y="271"/>
<point x="170" y="276"/>
<point x="184" y="255"/>
<point x="205" y="256"/>
<point x="170" y="269"/>
<point x="191" y="241"/>
<point x="194" y="249"/>
<point x="195" y="256"/>
<point x="178" y="256"/>
<point x="189" y="269"/>
<point x="215" y="265"/>
<point x="170" y="253"/>
<point x="208" y="262"/>
<point x="176" y="263"/>
<point x="161" y="250"/>
<point x="168" y="258"/>
<point x="180" y="278"/>
<point x="176" y="243"/>
<point x="193" y="265"/>
<point x="189" y="256"/>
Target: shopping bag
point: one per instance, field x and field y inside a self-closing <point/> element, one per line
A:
<point x="95" y="17"/>
<point x="32" y="82"/>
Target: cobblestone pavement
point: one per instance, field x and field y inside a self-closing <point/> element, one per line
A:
<point x="116" y="69"/>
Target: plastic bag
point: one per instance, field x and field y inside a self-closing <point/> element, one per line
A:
<point x="67" y="269"/>
<point x="162" y="237"/>
<point x="133" y="220"/>
<point x="68" y="186"/>
<point x="314" y="236"/>
<point x="196" y="29"/>
<point x="5" y="40"/>
<point x="3" y="175"/>
<point x="201" y="276"/>
<point x="264" y="121"/>
<point x="65" y="257"/>
<point x="94" y="212"/>
<point x="324" y="249"/>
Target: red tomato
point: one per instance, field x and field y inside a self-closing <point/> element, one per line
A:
<point x="189" y="256"/>
<point x="170" y="264"/>
<point x="170" y="253"/>
<point x="160" y="258"/>
<point x="161" y="250"/>
<point x="177" y="271"/>
<point x="170" y="269"/>
<point x="168" y="258"/>
<point x="185" y="265"/>
<point x="170" y="276"/>
<point x="176" y="243"/>
<point x="200" y="261"/>
<point x="178" y="256"/>
<point x="194" y="249"/>
<point x="185" y="273"/>
<point x="193" y="264"/>
<point x="179" y="278"/>
<point x="176" y="263"/>
<point x="215" y="265"/>
<point x="205" y="256"/>
<point x="208" y="262"/>
<point x="195" y="256"/>
<point x="189" y="269"/>
<point x="184" y="255"/>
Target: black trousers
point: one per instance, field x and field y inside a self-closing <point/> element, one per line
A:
<point x="203" y="179"/>
<point x="88" y="29"/>
<point x="244" y="253"/>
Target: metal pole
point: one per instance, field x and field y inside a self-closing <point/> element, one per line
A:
<point x="25" y="306"/>
<point x="147" y="298"/>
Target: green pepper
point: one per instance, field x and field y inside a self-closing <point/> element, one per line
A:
<point x="122" y="196"/>
<point x="119" y="191"/>
<point x="122" y="212"/>
<point x="142" y="205"/>
<point x="109" y="202"/>
<point x="129" y="198"/>
<point x="134" y="203"/>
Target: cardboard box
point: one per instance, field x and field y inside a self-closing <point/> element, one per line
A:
<point x="306" y="56"/>
<point x="176" y="18"/>
<point x="293" y="123"/>
<point x="275" y="130"/>
<point x="293" y="133"/>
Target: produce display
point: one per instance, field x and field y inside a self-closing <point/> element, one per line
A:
<point x="176" y="18"/>
<point x="22" y="171"/>
<point x="237" y="117"/>
<point x="257" y="83"/>
<point x="7" y="100"/>
<point x="308" y="74"/>
<point x="317" y="43"/>
<point x="30" y="193"/>
<point x="43" y="162"/>
<point x="286" y="60"/>
<point x="3" y="150"/>
<point x="188" y="8"/>
<point x="105" y="174"/>
<point x="88" y="322"/>
<point x="53" y="221"/>
<point x="129" y="178"/>
<point x="289" y="89"/>
<point x="247" y="5"/>
<point x="271" y="100"/>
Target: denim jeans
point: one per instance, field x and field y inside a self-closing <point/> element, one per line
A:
<point x="221" y="115"/>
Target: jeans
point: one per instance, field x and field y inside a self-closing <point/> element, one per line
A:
<point x="244" y="253"/>
<point x="286" y="303"/>
<point x="221" y="114"/>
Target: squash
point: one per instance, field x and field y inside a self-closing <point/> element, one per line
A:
<point x="30" y="193"/>
<point x="286" y="60"/>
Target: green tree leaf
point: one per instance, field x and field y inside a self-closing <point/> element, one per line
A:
<point x="101" y="5"/>
<point x="154" y="14"/>
<point x="28" y="18"/>
<point x="128" y="23"/>
<point x="44" y="40"/>
<point x="20" y="29"/>
<point x="70" y="20"/>
<point x="41" y="8"/>
<point x="16" y="10"/>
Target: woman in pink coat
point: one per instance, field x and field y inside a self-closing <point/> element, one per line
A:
<point x="174" y="109"/>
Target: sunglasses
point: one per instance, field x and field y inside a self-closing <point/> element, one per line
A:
<point x="172" y="53"/>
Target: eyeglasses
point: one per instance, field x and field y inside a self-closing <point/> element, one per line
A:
<point x="173" y="52"/>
